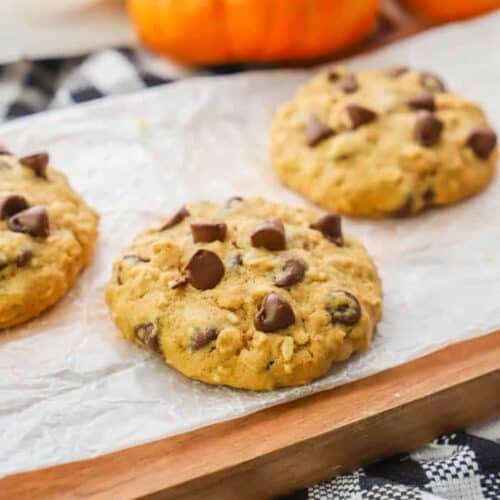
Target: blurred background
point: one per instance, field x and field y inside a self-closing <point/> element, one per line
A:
<point x="58" y="52"/>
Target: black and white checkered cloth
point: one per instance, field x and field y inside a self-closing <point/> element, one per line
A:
<point x="462" y="466"/>
<point x="30" y="87"/>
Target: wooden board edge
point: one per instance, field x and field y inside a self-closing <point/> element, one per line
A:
<point x="291" y="445"/>
<point x="343" y="450"/>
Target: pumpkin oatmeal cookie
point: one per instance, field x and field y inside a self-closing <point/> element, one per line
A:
<point x="382" y="143"/>
<point x="47" y="235"/>
<point x="251" y="294"/>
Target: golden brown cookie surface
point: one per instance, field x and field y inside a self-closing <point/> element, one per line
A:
<point x="251" y="294"/>
<point x="47" y="235"/>
<point x="381" y="143"/>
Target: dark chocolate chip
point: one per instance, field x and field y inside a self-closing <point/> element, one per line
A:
<point x="270" y="234"/>
<point x="482" y="140"/>
<point x="427" y="129"/>
<point x="33" y="221"/>
<point x="431" y="82"/>
<point x="178" y="283"/>
<point x="424" y="100"/>
<point x="236" y="260"/>
<point x="146" y="333"/>
<point x="24" y="257"/>
<point x="208" y="231"/>
<point x="4" y="151"/>
<point x="343" y="307"/>
<point x="333" y="75"/>
<point x="37" y="162"/>
<point x="405" y="209"/>
<point x="231" y="200"/>
<point x="348" y="83"/>
<point x="331" y="226"/>
<point x="317" y="131"/>
<point x="428" y="195"/>
<point x="395" y="71"/>
<point x="11" y="205"/>
<point x="275" y="313"/>
<point x="359" y="115"/>
<point x="201" y="338"/>
<point x="293" y="272"/>
<point x="177" y="218"/>
<point x="205" y="269"/>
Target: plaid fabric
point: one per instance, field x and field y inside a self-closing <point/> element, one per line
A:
<point x="461" y="466"/>
<point x="30" y="87"/>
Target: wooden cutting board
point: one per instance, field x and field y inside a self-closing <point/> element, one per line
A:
<point x="281" y="449"/>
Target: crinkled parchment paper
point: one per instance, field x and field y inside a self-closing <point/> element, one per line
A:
<point x="71" y="389"/>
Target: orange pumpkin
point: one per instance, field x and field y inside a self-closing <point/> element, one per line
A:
<point x="450" y="10"/>
<point x="224" y="31"/>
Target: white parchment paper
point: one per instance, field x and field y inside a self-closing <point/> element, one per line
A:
<point x="71" y="389"/>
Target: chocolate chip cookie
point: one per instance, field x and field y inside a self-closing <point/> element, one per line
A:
<point x="47" y="235"/>
<point x="250" y="294"/>
<point x="382" y="143"/>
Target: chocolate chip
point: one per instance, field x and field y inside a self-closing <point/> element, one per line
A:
<point x="146" y="333"/>
<point x="33" y="221"/>
<point x="37" y="162"/>
<point x="424" y="100"/>
<point x="395" y="71"/>
<point x="178" y="283"/>
<point x="275" y="313"/>
<point x="316" y="131"/>
<point x="177" y="218"/>
<point x="348" y="83"/>
<point x="11" y="205"/>
<point x="343" y="307"/>
<point x="3" y="263"/>
<point x="208" y="231"/>
<point x="4" y="151"/>
<point x="270" y="234"/>
<point x="432" y="82"/>
<point x="427" y="129"/>
<point x="482" y="140"/>
<point x="333" y="75"/>
<point x="293" y="272"/>
<point x="331" y="226"/>
<point x="235" y="260"/>
<point x="201" y="338"/>
<point x="24" y="257"/>
<point x="405" y="209"/>
<point x="205" y="269"/>
<point x="360" y="115"/>
<point x="428" y="195"/>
